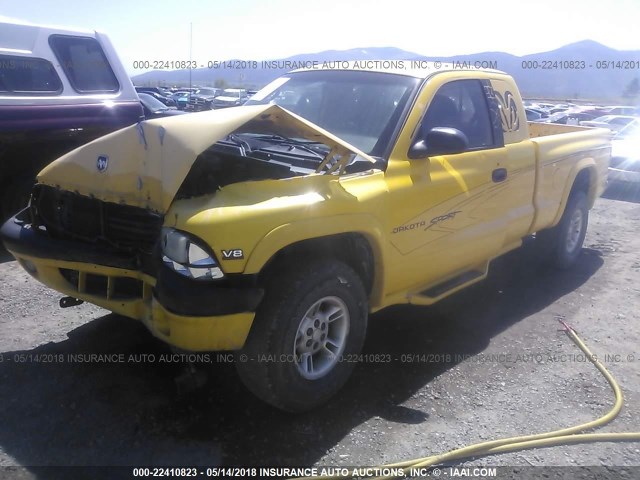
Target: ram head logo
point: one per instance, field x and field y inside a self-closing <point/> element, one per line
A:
<point x="508" y="112"/>
<point x="102" y="163"/>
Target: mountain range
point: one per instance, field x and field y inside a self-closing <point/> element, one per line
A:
<point x="597" y="72"/>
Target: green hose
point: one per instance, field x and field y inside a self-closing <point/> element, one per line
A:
<point x="565" y="436"/>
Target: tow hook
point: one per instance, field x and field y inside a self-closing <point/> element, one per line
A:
<point x="66" y="302"/>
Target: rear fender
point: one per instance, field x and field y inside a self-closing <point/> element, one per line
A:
<point x="586" y="164"/>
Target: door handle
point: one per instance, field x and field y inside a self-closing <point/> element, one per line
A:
<point x="499" y="175"/>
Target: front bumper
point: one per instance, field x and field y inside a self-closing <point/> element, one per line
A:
<point x="192" y="315"/>
<point x="199" y="106"/>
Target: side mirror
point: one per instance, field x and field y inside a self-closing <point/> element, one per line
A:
<point x="439" y="141"/>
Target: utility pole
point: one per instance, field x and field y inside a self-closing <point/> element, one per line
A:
<point x="190" y="52"/>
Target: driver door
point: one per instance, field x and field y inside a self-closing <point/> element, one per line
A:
<point x="447" y="208"/>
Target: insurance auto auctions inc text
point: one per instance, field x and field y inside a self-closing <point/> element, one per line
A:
<point x="374" y="472"/>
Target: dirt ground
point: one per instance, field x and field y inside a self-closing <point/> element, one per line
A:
<point x="486" y="363"/>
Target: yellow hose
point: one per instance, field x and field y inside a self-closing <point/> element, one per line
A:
<point x="565" y="436"/>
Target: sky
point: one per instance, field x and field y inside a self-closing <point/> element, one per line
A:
<point x="272" y="29"/>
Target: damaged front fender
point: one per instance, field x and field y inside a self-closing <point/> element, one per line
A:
<point x="145" y="164"/>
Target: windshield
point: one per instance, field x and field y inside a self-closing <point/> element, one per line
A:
<point x="554" y="117"/>
<point x="532" y="115"/>
<point x="362" y="108"/>
<point x="206" y="91"/>
<point x="605" y="119"/>
<point x="151" y="103"/>
<point x="230" y="93"/>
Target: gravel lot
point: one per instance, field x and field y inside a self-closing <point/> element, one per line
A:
<point x="487" y="362"/>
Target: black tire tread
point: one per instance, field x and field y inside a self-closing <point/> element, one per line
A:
<point x="550" y="241"/>
<point x="286" y="285"/>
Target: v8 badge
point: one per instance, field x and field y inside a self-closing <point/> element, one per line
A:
<point x="234" y="254"/>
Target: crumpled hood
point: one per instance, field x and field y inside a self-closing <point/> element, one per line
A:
<point x="144" y="165"/>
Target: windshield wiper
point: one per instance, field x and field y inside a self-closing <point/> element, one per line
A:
<point x="242" y="144"/>
<point x="285" y="139"/>
<point x="308" y="146"/>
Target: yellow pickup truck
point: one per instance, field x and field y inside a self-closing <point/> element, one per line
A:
<point x="273" y="229"/>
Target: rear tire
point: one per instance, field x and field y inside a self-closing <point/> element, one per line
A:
<point x="561" y="245"/>
<point x="312" y="319"/>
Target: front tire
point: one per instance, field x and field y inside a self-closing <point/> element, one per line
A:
<point x="311" y="320"/>
<point x="561" y="245"/>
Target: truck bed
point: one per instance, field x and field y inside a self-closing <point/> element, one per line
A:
<point x="546" y="129"/>
<point x="561" y="151"/>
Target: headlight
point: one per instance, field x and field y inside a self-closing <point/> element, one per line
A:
<point x="182" y="254"/>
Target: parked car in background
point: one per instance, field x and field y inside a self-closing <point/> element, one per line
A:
<point x="612" y="122"/>
<point x="542" y="113"/>
<point x="202" y="99"/>
<point x="595" y="110"/>
<point x="625" y="155"/>
<point x="158" y="90"/>
<point x="544" y="106"/>
<point x="230" y="97"/>
<point x="59" y="89"/>
<point x="154" y="108"/>
<point x="568" y="118"/>
<point x="181" y="98"/>
<point x="533" y="115"/>
<point x="161" y="97"/>
<point x="621" y="110"/>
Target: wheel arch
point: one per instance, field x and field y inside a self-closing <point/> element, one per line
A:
<point x="360" y="247"/>
<point x="582" y="178"/>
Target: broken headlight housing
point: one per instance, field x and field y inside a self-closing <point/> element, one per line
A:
<point x="182" y="254"/>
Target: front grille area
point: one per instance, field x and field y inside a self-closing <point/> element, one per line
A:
<point x="109" y="287"/>
<point x="199" y="104"/>
<point x="73" y="216"/>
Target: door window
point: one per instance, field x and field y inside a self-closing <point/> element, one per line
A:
<point x="461" y="104"/>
